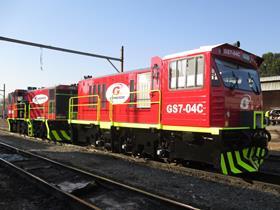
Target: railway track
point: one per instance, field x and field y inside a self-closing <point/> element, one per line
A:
<point x="82" y="189"/>
<point x="264" y="177"/>
<point x="28" y="195"/>
<point x="273" y="158"/>
<point x="270" y="173"/>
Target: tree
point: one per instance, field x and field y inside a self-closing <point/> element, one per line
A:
<point x="271" y="64"/>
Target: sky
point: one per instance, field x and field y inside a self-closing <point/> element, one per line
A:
<point x="145" y="28"/>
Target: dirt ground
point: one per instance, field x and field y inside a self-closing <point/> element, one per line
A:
<point x="195" y="189"/>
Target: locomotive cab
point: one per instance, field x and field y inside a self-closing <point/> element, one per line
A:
<point x="212" y="108"/>
<point x="235" y="88"/>
<point x="16" y="98"/>
<point x="236" y="105"/>
<point x="17" y="107"/>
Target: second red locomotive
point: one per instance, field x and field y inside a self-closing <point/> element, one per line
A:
<point x="41" y="112"/>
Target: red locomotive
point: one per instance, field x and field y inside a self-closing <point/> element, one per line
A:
<point x="41" y="112"/>
<point x="202" y="105"/>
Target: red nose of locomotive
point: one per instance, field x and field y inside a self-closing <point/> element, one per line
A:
<point x="241" y="107"/>
<point x="237" y="107"/>
<point x="238" y="85"/>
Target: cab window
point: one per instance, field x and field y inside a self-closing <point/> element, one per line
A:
<point x="186" y="73"/>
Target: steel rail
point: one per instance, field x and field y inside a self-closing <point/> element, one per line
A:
<point x="274" y="158"/>
<point x="49" y="188"/>
<point x="160" y="198"/>
<point x="266" y="178"/>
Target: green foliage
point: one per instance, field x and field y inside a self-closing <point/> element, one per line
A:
<point x="271" y="64"/>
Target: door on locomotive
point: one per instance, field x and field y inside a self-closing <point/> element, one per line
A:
<point x="143" y="90"/>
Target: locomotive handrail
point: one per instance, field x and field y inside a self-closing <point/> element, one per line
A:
<point x="72" y="105"/>
<point x="37" y="108"/>
<point x="16" y="109"/>
<point x="139" y="102"/>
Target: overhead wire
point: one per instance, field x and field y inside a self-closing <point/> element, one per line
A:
<point x="41" y="58"/>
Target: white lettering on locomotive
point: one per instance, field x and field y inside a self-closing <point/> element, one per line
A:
<point x="40" y="99"/>
<point x="117" y="93"/>
<point x="234" y="53"/>
<point x="181" y="108"/>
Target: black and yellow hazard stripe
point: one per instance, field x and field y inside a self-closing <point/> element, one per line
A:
<point x="59" y="135"/>
<point x="240" y="161"/>
<point x="30" y="131"/>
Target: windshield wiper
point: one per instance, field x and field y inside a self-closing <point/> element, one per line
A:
<point x="257" y="91"/>
<point x="234" y="85"/>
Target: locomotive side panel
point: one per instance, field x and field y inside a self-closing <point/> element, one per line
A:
<point x="185" y="98"/>
<point x="141" y="105"/>
<point x="38" y="104"/>
<point x="84" y="108"/>
<point x="59" y="100"/>
<point x="124" y="98"/>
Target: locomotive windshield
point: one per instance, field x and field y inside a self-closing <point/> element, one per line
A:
<point x="239" y="77"/>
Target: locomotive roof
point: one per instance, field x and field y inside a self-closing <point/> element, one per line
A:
<point x="51" y="87"/>
<point x="209" y="48"/>
<point x="203" y="49"/>
<point x="194" y="51"/>
<point x="114" y="74"/>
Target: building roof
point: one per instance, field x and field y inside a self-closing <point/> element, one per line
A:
<point x="270" y="79"/>
<point x="270" y="83"/>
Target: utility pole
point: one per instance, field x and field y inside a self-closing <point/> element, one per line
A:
<point x="4" y="101"/>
